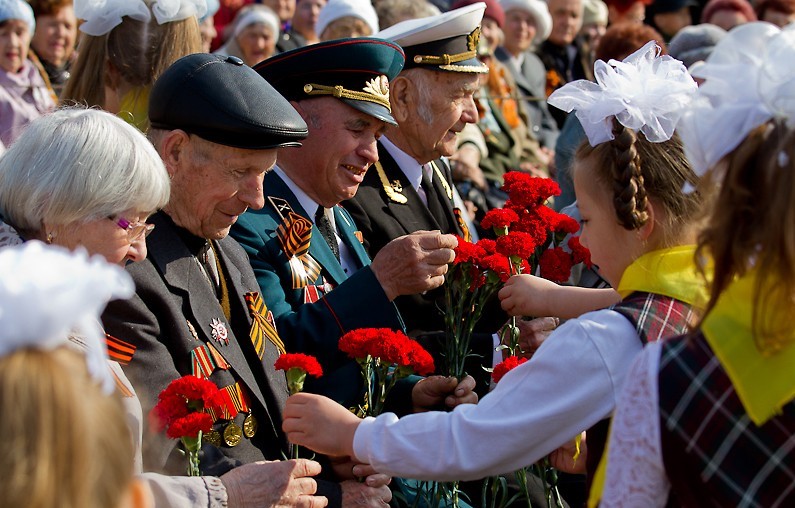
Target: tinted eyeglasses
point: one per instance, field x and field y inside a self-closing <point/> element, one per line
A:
<point x="135" y="230"/>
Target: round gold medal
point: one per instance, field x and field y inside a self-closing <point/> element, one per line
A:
<point x="232" y="434"/>
<point x="249" y="426"/>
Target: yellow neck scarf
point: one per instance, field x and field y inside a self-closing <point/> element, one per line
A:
<point x="134" y="108"/>
<point x="764" y="380"/>
<point x="668" y="272"/>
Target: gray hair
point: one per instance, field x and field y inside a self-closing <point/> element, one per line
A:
<point x="425" y="90"/>
<point x="76" y="165"/>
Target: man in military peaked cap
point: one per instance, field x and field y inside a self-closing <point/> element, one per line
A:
<point x="197" y="311"/>
<point x="306" y="251"/>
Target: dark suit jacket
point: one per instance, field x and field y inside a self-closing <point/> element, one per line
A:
<point x="357" y="301"/>
<point x="168" y="317"/>
<point x="531" y="79"/>
<point x="381" y="220"/>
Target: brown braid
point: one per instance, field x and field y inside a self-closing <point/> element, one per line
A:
<point x="629" y="194"/>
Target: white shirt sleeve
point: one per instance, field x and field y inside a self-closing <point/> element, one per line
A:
<point x="571" y="382"/>
<point x="635" y="471"/>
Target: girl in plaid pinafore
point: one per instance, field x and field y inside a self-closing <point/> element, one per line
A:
<point x="708" y="419"/>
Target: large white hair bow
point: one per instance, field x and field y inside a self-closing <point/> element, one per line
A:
<point x="48" y="293"/>
<point x="102" y="16"/>
<point x="646" y="92"/>
<point x="749" y="79"/>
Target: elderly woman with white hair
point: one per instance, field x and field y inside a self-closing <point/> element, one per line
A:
<point x="340" y="19"/>
<point x="253" y="34"/>
<point x="86" y="180"/>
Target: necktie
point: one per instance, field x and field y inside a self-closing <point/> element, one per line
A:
<point x="434" y="205"/>
<point x="324" y="225"/>
<point x="210" y="265"/>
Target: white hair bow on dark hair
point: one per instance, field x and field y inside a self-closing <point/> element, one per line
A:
<point x="646" y="92"/>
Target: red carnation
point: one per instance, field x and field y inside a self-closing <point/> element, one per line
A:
<point x="516" y="244"/>
<point x="503" y="367"/>
<point x="579" y="253"/>
<point x="307" y="363"/>
<point x="181" y="397"/>
<point x="555" y="265"/>
<point x="356" y="342"/>
<point x="190" y="425"/>
<point x="525" y="190"/>
<point x="467" y="252"/>
<point x="534" y="224"/>
<point x="498" y="264"/>
<point x="420" y="360"/>
<point x="558" y="222"/>
<point x="499" y="219"/>
<point x="488" y="245"/>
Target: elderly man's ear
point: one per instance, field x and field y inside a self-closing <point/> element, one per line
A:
<point x="173" y="149"/>
<point x="401" y="95"/>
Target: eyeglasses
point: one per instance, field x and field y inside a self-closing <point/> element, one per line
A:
<point x="135" y="230"/>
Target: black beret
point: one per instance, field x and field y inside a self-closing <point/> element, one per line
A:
<point x="356" y="71"/>
<point x="220" y="99"/>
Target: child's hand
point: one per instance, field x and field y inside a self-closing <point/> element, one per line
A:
<point x="527" y="295"/>
<point x="319" y="424"/>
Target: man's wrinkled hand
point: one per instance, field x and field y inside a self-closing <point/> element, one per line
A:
<point x="532" y="334"/>
<point x="355" y="494"/>
<point x="429" y="393"/>
<point x="281" y="484"/>
<point x="414" y="263"/>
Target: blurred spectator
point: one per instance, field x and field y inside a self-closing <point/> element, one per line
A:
<point x="727" y="13"/>
<point x="305" y="19"/>
<point x="391" y="12"/>
<point x="563" y="60"/>
<point x="626" y="11"/>
<point x="24" y="91"/>
<point x="346" y="18"/>
<point x="207" y="25"/>
<point x="694" y="43"/>
<point x="670" y="16"/>
<point x="122" y="53"/>
<point x="594" y="24"/>
<point x="54" y="40"/>
<point x="252" y="35"/>
<point x="778" y="12"/>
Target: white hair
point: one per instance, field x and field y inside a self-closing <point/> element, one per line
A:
<point x="77" y="165"/>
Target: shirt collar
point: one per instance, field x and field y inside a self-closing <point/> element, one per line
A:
<point x="308" y="204"/>
<point x="408" y="164"/>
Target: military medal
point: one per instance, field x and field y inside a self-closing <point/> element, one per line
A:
<point x="213" y="437"/>
<point x="192" y="330"/>
<point x="232" y="434"/>
<point x="219" y="331"/>
<point x="249" y="426"/>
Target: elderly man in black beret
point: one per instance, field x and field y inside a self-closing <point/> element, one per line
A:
<point x="197" y="311"/>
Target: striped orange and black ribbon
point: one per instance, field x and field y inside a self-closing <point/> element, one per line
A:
<point x="118" y="350"/>
<point x="262" y="327"/>
<point x="233" y="400"/>
<point x="294" y="235"/>
<point x="462" y="224"/>
<point x="205" y="359"/>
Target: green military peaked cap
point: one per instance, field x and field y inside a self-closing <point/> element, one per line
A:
<point x="356" y="71"/>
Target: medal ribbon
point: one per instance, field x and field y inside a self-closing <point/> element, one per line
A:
<point x="294" y="235"/>
<point x="262" y="325"/>
<point x="205" y="359"/>
<point x="233" y="400"/>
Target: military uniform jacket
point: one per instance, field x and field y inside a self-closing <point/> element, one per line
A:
<point x="382" y="219"/>
<point x="311" y="319"/>
<point x="169" y="316"/>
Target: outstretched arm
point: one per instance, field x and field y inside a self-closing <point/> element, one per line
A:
<point x="528" y="295"/>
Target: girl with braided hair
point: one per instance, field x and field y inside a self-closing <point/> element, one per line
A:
<point x="637" y="223"/>
<point x="732" y="376"/>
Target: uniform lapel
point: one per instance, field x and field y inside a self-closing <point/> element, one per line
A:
<point x="181" y="271"/>
<point x="347" y="231"/>
<point x="318" y="248"/>
<point x="413" y="215"/>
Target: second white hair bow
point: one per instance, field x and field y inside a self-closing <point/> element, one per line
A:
<point x="645" y="92"/>
<point x="749" y="78"/>
<point x="102" y="16"/>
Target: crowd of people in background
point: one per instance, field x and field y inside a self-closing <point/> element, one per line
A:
<point x="303" y="168"/>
